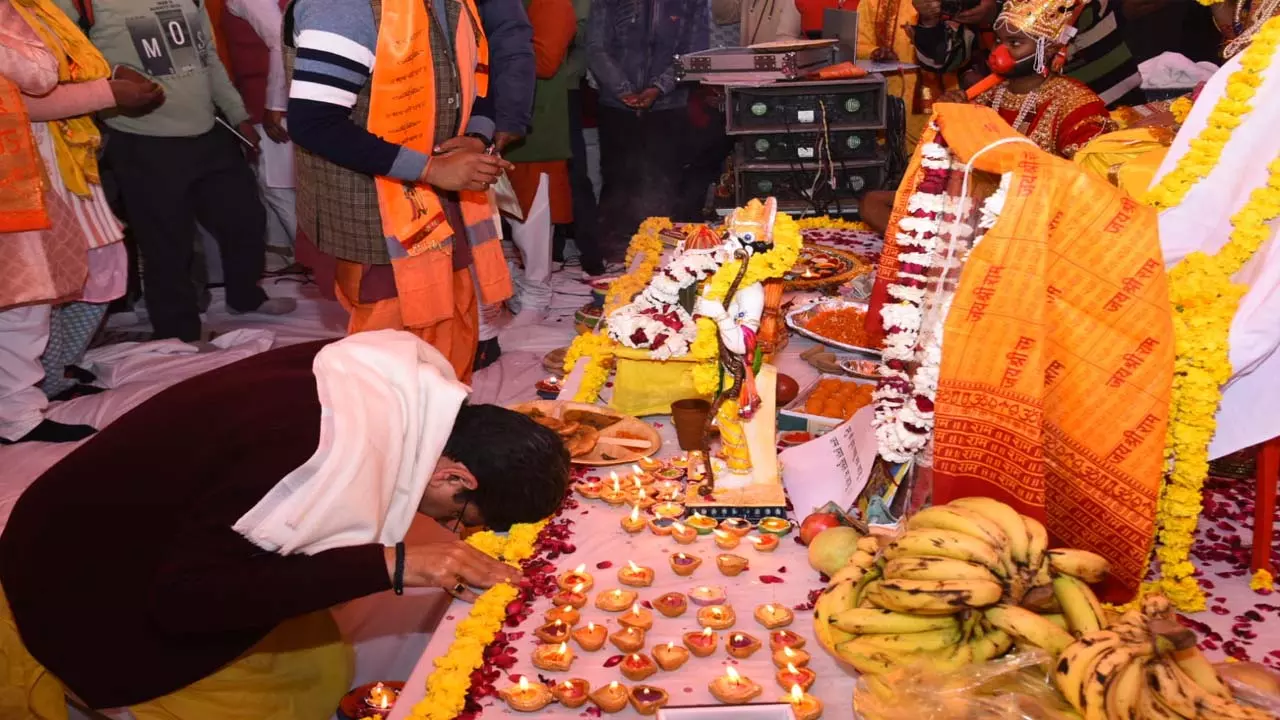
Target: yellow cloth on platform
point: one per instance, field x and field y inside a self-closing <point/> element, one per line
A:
<point x="1127" y="158"/>
<point x="298" y="672"/>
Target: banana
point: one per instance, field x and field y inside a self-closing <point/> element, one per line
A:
<point x="1212" y="707"/>
<point x="1073" y="663"/>
<point x="991" y="646"/>
<point x="925" y="567"/>
<point x="1157" y="607"/>
<point x="1170" y="688"/>
<point x="1025" y="625"/>
<point x="1007" y="518"/>
<point x="1037" y="541"/>
<point x="864" y="621"/>
<point x="1149" y="706"/>
<point x="907" y="643"/>
<point x="848" y="573"/>
<point x="934" y="597"/>
<point x="1122" y="692"/>
<point x="945" y="543"/>
<point x="1041" y="599"/>
<point x="868" y="544"/>
<point x="1103" y="672"/>
<point x="860" y="590"/>
<point x="962" y="520"/>
<point x="1057" y="619"/>
<point x="1079" y="604"/>
<point x="833" y="600"/>
<point x="861" y="559"/>
<point x="1088" y="566"/>
<point x="1197" y="667"/>
<point x="864" y="663"/>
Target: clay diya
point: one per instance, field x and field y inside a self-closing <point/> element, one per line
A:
<point x="667" y="488"/>
<point x="614" y="495"/>
<point x="648" y="700"/>
<point x="788" y="656"/>
<point x="668" y="509"/>
<point x="553" y="633"/>
<point x="736" y="526"/>
<point x="635" y="576"/>
<point x="773" y="616"/>
<point x="681" y="462"/>
<point x="589" y="489"/>
<point x="732" y="565"/>
<point x="776" y="526"/>
<point x="565" y="614"/>
<point x="717" y="617"/>
<point x="684" y="564"/>
<point x="628" y="639"/>
<point x="742" y="645"/>
<point x="683" y="534"/>
<point x="637" y="617"/>
<point x="792" y="675"/>
<point x="733" y="689"/>
<point x="591" y="636"/>
<point x="670" y="656"/>
<point x="726" y="540"/>
<point x="637" y="667"/>
<point x="661" y="526"/>
<point x="553" y="658"/>
<point x="765" y="543"/>
<point x="701" y="644"/>
<point x="650" y="465"/>
<point x="707" y="595"/>
<point x="572" y="693"/>
<point x="672" y="604"/>
<point x="644" y="502"/>
<point x="576" y="576"/>
<point x="804" y="705"/>
<point x="634" y="523"/>
<point x="616" y="600"/>
<point x="670" y="475"/>
<point x="572" y="598"/>
<point x="639" y="474"/>
<point x="526" y="696"/>
<point x="702" y="524"/>
<point x="611" y="698"/>
<point x="779" y="639"/>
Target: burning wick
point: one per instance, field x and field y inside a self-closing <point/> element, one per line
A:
<point x="524" y="684"/>
<point x="789" y="653"/>
<point x="729" y="673"/>
<point x="564" y="647"/>
<point x="797" y="695"/>
<point x="634" y="568"/>
<point x="791" y="668"/>
<point x="577" y="589"/>
<point x="671" y="646"/>
<point x="591" y="627"/>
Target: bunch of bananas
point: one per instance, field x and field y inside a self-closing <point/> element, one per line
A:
<point x="1145" y="666"/>
<point x="963" y="583"/>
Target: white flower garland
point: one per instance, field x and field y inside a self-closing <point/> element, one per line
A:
<point x="662" y="298"/>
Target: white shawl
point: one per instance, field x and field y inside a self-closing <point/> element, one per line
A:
<point x="388" y="403"/>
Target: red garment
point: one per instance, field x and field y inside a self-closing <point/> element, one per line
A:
<point x="1067" y="114"/>
<point x="811" y="12"/>
<point x="249" y="61"/>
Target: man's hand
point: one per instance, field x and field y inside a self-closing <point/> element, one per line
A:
<point x="981" y="15"/>
<point x="250" y="133"/>
<point x="503" y="139"/>
<point x="461" y="143"/>
<point x="134" y="93"/>
<point x="446" y="565"/>
<point x="273" y="125"/>
<point x="930" y="12"/>
<point x="642" y="100"/>
<point x="464" y="170"/>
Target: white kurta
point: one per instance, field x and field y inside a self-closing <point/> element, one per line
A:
<point x="1203" y="222"/>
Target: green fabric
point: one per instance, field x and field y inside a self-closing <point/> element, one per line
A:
<point x="577" y="60"/>
<point x="549" y="138"/>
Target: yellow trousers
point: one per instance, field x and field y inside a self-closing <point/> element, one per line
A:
<point x="298" y="672"/>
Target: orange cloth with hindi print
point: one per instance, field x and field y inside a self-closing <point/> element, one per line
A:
<point x="1057" y="356"/>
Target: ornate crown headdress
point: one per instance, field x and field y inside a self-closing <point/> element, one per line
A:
<point x="752" y="225"/>
<point x="1050" y="21"/>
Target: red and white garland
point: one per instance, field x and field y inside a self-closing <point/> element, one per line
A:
<point x="655" y="321"/>
<point x="904" y="400"/>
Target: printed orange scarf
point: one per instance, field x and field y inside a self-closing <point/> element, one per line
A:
<point x="21" y="177"/>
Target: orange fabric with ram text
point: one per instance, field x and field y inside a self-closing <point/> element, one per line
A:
<point x="1058" y="355"/>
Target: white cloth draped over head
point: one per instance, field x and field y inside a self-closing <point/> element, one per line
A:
<point x="388" y="403"/>
<point x="1202" y="222"/>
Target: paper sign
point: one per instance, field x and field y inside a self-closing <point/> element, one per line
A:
<point x="833" y="468"/>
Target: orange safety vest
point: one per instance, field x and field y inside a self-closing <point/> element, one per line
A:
<point x="401" y="104"/>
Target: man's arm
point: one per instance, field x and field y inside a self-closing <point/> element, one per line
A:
<point x="553" y="29"/>
<point x="225" y="95"/>
<point x="511" y="59"/>
<point x="694" y="35"/>
<point x="607" y="72"/>
<point x="265" y="18"/>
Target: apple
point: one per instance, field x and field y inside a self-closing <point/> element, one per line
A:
<point x="816" y="523"/>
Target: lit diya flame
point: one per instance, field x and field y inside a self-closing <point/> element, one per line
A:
<point x="635" y="513"/>
<point x="577" y="589"/>
<point x="524" y="684"/>
<point x="731" y="674"/>
<point x="381" y="697"/>
<point x="634" y="568"/>
<point x="796" y="694"/>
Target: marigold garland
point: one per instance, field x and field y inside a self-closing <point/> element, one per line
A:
<point x="449" y="683"/>
<point x="1262" y="580"/>
<point x="1180" y="109"/>
<point x="1206" y="148"/>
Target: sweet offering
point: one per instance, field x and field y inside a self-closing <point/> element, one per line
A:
<point x="706" y="595"/>
<point x="635" y="576"/>
<point x="634" y="523"/>
<point x="788" y="656"/>
<point x="628" y="639"/>
<point x="683" y="564"/>
<point x="553" y="633"/>
<point x="611" y="698"/>
<point x="780" y="639"/>
<point x="683" y="534"/>
<point x="571" y="598"/>
<point x="647" y="699"/>
<point x="616" y="600"/>
<point x="672" y="604"/>
<point x="732" y="565"/>
<point x="553" y="658"/>
<point x="838" y="399"/>
<point x="733" y="689"/>
<point x="637" y="617"/>
<point x="526" y="696"/>
<point x="662" y="526"/>
<point x="717" y="617"/>
<point x="742" y="645"/>
<point x="591" y="636"/>
<point x="773" y="616"/>
<point x="701" y="523"/>
<point x="670" y="656"/>
<point x="701" y="644"/>
<point x="804" y="705"/>
<point x="566" y="614"/>
<point x="792" y="675"/>
<point x="572" y="693"/>
<point x="575" y="577"/>
<point x="764" y="543"/>
<point x="726" y="540"/>
<point x="637" y="667"/>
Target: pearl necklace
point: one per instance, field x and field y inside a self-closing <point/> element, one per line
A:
<point x="1027" y="105"/>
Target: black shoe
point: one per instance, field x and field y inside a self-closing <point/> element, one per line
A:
<point x="80" y="375"/>
<point x="52" y="431"/>
<point x="487" y="353"/>
<point x="75" y="391"/>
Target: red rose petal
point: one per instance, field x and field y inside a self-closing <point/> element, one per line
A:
<point x="613" y="661"/>
<point x="604" y="565"/>
<point x="771" y="579"/>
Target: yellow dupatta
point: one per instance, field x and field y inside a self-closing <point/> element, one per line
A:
<point x="75" y="140"/>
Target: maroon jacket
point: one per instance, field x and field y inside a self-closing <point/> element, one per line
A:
<point x="250" y="61"/>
